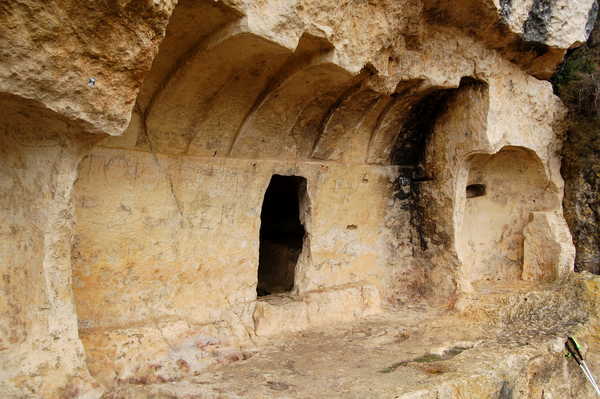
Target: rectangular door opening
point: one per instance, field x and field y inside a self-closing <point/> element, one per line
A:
<point x="281" y="234"/>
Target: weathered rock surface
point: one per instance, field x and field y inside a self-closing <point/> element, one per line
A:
<point x="547" y="254"/>
<point x="139" y="139"/>
<point x="418" y="353"/>
<point x="40" y="349"/>
<point x="50" y="49"/>
<point x="577" y="84"/>
<point x="534" y="34"/>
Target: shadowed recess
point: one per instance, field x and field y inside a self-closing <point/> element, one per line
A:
<point x="509" y="185"/>
<point x="475" y="190"/>
<point x="410" y="142"/>
<point x="281" y="234"/>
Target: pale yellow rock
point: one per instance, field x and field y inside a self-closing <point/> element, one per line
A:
<point x="130" y="264"/>
<point x="314" y="309"/>
<point x="40" y="350"/>
<point x="548" y="252"/>
<point x="50" y="49"/>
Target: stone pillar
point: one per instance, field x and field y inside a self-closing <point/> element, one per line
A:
<point x="549" y="253"/>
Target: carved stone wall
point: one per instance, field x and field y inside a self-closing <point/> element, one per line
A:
<point x="139" y="138"/>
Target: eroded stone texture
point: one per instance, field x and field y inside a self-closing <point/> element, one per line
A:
<point x="534" y="34"/>
<point x="40" y="350"/>
<point x="404" y="355"/>
<point x="494" y="223"/>
<point x="50" y="49"/>
<point x="424" y="142"/>
<point x="576" y="83"/>
<point x="548" y="254"/>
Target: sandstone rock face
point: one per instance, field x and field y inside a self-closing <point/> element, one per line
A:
<point x="532" y="33"/>
<point x="577" y="84"/>
<point x="547" y="255"/>
<point x="50" y="50"/>
<point x="41" y="352"/>
<point x="140" y="139"/>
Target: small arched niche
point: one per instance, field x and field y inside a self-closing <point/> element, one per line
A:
<point x="475" y="190"/>
<point x="499" y="194"/>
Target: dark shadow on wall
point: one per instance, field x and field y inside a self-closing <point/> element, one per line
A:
<point x="281" y="234"/>
<point x="409" y="154"/>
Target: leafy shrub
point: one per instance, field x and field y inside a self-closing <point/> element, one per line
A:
<point x="577" y="82"/>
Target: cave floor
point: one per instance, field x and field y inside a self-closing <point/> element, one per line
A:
<point x="419" y="352"/>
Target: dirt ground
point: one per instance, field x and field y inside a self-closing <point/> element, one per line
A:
<point x="419" y="352"/>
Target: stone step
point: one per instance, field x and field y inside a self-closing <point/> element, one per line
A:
<point x="278" y="314"/>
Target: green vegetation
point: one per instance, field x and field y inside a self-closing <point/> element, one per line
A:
<point x="573" y="69"/>
<point x="577" y="82"/>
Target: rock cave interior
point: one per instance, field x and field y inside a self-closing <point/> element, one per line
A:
<point x="264" y="189"/>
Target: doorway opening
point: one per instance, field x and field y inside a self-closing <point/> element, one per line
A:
<point x="281" y="234"/>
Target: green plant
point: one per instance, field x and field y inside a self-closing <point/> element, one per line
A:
<point x="572" y="69"/>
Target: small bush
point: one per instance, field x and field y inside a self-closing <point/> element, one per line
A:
<point x="572" y="69"/>
<point x="577" y="82"/>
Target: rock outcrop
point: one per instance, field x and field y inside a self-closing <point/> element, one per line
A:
<point x="412" y="142"/>
<point x="577" y="83"/>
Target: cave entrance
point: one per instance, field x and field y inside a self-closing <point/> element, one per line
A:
<point x="281" y="234"/>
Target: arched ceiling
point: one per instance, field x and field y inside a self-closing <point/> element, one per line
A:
<point x="219" y="89"/>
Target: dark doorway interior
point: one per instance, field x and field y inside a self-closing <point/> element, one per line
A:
<point x="281" y="234"/>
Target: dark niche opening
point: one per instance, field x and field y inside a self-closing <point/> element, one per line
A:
<point x="281" y="234"/>
<point x="475" y="190"/>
